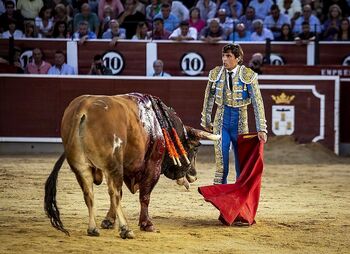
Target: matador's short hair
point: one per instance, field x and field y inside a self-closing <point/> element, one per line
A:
<point x="236" y="50"/>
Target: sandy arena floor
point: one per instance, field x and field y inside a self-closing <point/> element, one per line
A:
<point x="304" y="208"/>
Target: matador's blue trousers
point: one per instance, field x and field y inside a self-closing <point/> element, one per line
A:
<point x="230" y="134"/>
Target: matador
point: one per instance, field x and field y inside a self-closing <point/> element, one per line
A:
<point x="232" y="87"/>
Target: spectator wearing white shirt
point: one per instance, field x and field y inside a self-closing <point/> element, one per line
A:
<point x="60" y="67"/>
<point x="44" y="22"/>
<point x="307" y="16"/>
<point x="158" y="67"/>
<point x="29" y="8"/>
<point x="207" y="9"/>
<point x="292" y="8"/>
<point x="262" y="7"/>
<point x="261" y="33"/>
<point x="275" y="21"/>
<point x="184" y="32"/>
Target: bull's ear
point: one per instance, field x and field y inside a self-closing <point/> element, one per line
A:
<point x="199" y="134"/>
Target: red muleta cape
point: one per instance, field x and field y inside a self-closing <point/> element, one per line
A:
<point x="240" y="200"/>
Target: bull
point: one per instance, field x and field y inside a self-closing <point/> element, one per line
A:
<point x="123" y="138"/>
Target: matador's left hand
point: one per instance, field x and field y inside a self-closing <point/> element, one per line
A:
<point x="262" y="136"/>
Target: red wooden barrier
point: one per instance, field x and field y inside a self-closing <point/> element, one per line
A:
<point x="32" y="106"/>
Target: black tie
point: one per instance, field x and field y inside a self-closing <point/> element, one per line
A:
<point x="230" y="80"/>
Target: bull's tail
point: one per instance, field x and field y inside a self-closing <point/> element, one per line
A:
<point x="50" y="204"/>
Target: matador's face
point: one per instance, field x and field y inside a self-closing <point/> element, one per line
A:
<point x="229" y="60"/>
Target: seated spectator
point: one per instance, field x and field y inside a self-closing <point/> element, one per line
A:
<point x="184" y="33"/>
<point x="248" y="18"/>
<point x="306" y="35"/>
<point x="233" y="8"/>
<point x="114" y="32"/>
<point x="344" y="31"/>
<point x="108" y="15"/>
<point x="226" y="23"/>
<point x="344" y="5"/>
<point x="195" y="19"/>
<point x="286" y="33"/>
<point x="178" y="9"/>
<point x="16" y="60"/>
<point x="152" y="10"/>
<point x="171" y="22"/>
<point x="256" y="62"/>
<point x="241" y="34"/>
<point x="159" y="32"/>
<point x="60" y="30"/>
<point x="44" y="22"/>
<point x="158" y="67"/>
<point x="38" y="65"/>
<point x="140" y="6"/>
<point x="12" y="31"/>
<point x="141" y="32"/>
<point x="275" y="21"/>
<point x="93" y="4"/>
<point x="262" y="7"/>
<point x="333" y="21"/>
<point x="213" y="32"/>
<point x="207" y="9"/>
<point x="29" y="8"/>
<point x="60" y="67"/>
<point x="129" y="18"/>
<point x="60" y="14"/>
<point x="116" y="6"/>
<point x="11" y="14"/>
<point x="30" y="30"/>
<point x="83" y="33"/>
<point x="292" y="8"/>
<point x="98" y="67"/>
<point x="2" y="7"/>
<point x="88" y="16"/>
<point x="308" y="17"/>
<point x="261" y="33"/>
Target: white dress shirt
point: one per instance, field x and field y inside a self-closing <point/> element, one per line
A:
<point x="192" y="32"/>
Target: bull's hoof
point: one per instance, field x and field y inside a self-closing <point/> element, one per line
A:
<point x="148" y="228"/>
<point x="126" y="233"/>
<point x="107" y="224"/>
<point x="93" y="232"/>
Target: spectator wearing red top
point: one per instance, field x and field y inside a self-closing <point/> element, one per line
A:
<point x="195" y="19"/>
<point x="38" y="65"/>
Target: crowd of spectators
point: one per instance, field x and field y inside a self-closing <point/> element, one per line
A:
<point x="206" y="20"/>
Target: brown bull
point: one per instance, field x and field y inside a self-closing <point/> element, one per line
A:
<point x="120" y="137"/>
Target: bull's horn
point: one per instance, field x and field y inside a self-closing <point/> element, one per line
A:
<point x="208" y="135"/>
<point x="203" y="134"/>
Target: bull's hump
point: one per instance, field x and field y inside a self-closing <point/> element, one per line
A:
<point x="147" y="115"/>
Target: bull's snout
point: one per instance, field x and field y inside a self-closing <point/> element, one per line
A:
<point x="191" y="178"/>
